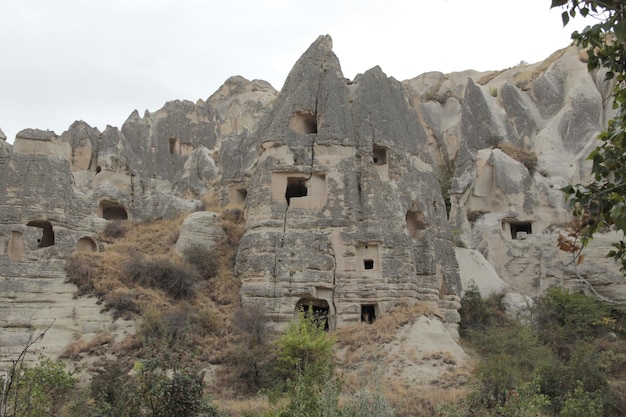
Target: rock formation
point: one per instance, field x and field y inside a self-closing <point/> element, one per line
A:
<point x="343" y="211"/>
<point x="346" y="187"/>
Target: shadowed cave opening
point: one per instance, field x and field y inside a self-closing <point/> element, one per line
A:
<point x="368" y="313"/>
<point x="174" y="146"/>
<point x="319" y="308"/>
<point x="368" y="264"/>
<point x="296" y="187"/>
<point x="47" y="234"/>
<point x="111" y="210"/>
<point x="516" y="227"/>
<point x="379" y="155"/>
<point x="415" y="223"/>
<point x="303" y="123"/>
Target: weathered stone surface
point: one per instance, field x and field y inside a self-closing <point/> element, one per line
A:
<point x="342" y="201"/>
<point x="341" y="183"/>
<point x="202" y="228"/>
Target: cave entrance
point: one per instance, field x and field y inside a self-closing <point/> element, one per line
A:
<point x="303" y="122"/>
<point x="379" y="155"/>
<point x="111" y="210"/>
<point x="368" y="313"/>
<point x="174" y="146"/>
<point x="318" y="308"/>
<point x="47" y="234"/>
<point x="520" y="229"/>
<point x="415" y="224"/>
<point x="296" y="187"/>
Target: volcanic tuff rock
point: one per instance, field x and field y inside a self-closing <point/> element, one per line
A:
<point x="343" y="209"/>
<point x="345" y="184"/>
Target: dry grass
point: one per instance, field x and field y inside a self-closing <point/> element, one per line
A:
<point x="383" y="330"/>
<point x="527" y="158"/>
<point x="96" y="346"/>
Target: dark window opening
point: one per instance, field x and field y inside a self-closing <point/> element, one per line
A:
<point x="303" y="123"/>
<point x="115" y="213"/>
<point x="380" y="155"/>
<point x="174" y="146"/>
<point x="368" y="263"/>
<point x="296" y="187"/>
<point x="242" y="193"/>
<point x="47" y="234"/>
<point x="415" y="223"/>
<point x="98" y="169"/>
<point x="517" y="227"/>
<point x="368" y="313"/>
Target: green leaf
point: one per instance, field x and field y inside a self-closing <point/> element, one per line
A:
<point x="565" y="18"/>
<point x="620" y="31"/>
<point x="558" y="3"/>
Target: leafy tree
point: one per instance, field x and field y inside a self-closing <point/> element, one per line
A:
<point x="34" y="391"/>
<point x="602" y="202"/>
<point x="305" y="362"/>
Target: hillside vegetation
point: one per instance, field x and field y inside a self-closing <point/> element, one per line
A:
<point x="197" y="352"/>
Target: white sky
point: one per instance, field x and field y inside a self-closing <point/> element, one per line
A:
<point x="98" y="60"/>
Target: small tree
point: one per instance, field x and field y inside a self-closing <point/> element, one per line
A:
<point x="602" y="201"/>
<point x="34" y="391"/>
<point x="304" y="365"/>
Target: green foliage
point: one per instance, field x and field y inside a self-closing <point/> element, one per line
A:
<point x="41" y="389"/>
<point x="176" y="279"/>
<point x="523" y="401"/>
<point x="168" y="382"/>
<point x="368" y="404"/>
<point x="580" y="403"/>
<point x="253" y="358"/>
<point x="562" y="316"/>
<point x="565" y="364"/>
<point x="474" y="311"/>
<point x="306" y="349"/>
<point x="602" y="202"/>
<point x="304" y="365"/>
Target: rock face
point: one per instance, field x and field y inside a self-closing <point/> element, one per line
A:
<point x="343" y="211"/>
<point x="346" y="187"/>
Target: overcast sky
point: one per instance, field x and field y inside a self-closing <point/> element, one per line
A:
<point x="98" y="60"/>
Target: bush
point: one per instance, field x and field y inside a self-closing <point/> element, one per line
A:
<point x="204" y="262"/>
<point x="252" y="359"/>
<point x="176" y="279"/>
<point x="38" y="391"/>
<point x="123" y="303"/>
<point x="474" y="311"/>
<point x="116" y="229"/>
<point x="80" y="269"/>
<point x="562" y="317"/>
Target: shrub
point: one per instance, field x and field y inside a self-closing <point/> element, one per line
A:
<point x="252" y="359"/>
<point x="37" y="391"/>
<point x="116" y="229"/>
<point x="205" y="263"/>
<point x="80" y="269"/>
<point x="123" y="303"/>
<point x="474" y="311"/>
<point x="176" y="279"/>
<point x="562" y="317"/>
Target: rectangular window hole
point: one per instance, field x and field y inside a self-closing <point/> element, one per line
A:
<point x="368" y="264"/>
<point x="519" y="230"/>
<point x="296" y="187"/>
<point x="379" y="155"/>
<point x="368" y="313"/>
